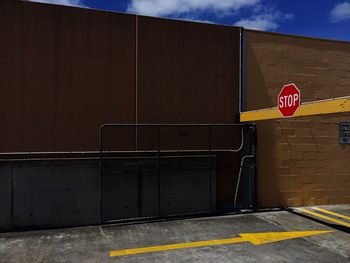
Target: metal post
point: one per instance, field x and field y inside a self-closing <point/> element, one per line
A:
<point x="210" y="167"/>
<point x="100" y="170"/>
<point x="243" y="76"/>
<point x="158" y="154"/>
<point x="255" y="168"/>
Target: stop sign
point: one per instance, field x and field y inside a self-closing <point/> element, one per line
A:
<point x="288" y="100"/>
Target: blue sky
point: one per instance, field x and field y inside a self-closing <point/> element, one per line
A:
<point x="315" y="18"/>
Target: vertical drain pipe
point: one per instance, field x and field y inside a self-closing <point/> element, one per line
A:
<point x="239" y="114"/>
<point x="240" y="73"/>
<point x="254" y="201"/>
<point x="241" y="102"/>
<point x="242" y="67"/>
<point x="136" y="80"/>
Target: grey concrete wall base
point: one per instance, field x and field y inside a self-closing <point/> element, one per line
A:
<point x="48" y="193"/>
<point x="5" y="196"/>
<point x="53" y="193"/>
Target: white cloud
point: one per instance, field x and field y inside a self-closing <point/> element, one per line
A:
<point x="259" y="22"/>
<point x="62" y="2"/>
<point x="193" y="19"/>
<point x="340" y="12"/>
<point x="267" y="21"/>
<point x="180" y="7"/>
<point x="264" y="17"/>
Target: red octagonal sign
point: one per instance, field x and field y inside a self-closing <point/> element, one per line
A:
<point x="288" y="100"/>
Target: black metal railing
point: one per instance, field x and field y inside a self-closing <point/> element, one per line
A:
<point x="162" y="170"/>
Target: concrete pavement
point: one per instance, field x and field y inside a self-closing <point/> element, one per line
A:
<point x="95" y="244"/>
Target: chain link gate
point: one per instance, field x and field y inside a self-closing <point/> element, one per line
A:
<point x="150" y="171"/>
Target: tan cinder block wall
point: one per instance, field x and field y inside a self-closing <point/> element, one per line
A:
<point x="300" y="160"/>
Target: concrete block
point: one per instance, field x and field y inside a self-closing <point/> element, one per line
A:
<point x="120" y="190"/>
<point x="281" y="171"/>
<point x="299" y="140"/>
<point x="55" y="194"/>
<point x="309" y="201"/>
<point x="322" y="201"/>
<point x="288" y="132"/>
<point x="344" y="82"/>
<point x="294" y="202"/>
<point x="5" y="196"/>
<point x="149" y="177"/>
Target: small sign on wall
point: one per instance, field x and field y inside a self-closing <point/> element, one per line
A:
<point x="344" y="132"/>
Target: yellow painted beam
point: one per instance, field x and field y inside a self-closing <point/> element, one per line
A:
<point x="253" y="238"/>
<point x="336" y="105"/>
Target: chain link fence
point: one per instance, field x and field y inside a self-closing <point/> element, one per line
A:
<point x="157" y="170"/>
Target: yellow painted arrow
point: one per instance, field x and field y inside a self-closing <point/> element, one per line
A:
<point x="253" y="238"/>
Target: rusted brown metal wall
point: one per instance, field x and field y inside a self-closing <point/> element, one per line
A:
<point x="300" y="160"/>
<point x="188" y="72"/>
<point x="65" y="71"/>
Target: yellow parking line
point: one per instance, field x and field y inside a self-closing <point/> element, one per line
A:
<point x="331" y="219"/>
<point x="331" y="213"/>
<point x="253" y="238"/>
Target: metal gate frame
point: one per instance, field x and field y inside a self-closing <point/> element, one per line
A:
<point x="247" y="150"/>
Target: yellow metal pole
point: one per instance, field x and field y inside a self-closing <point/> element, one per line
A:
<point x="336" y="105"/>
